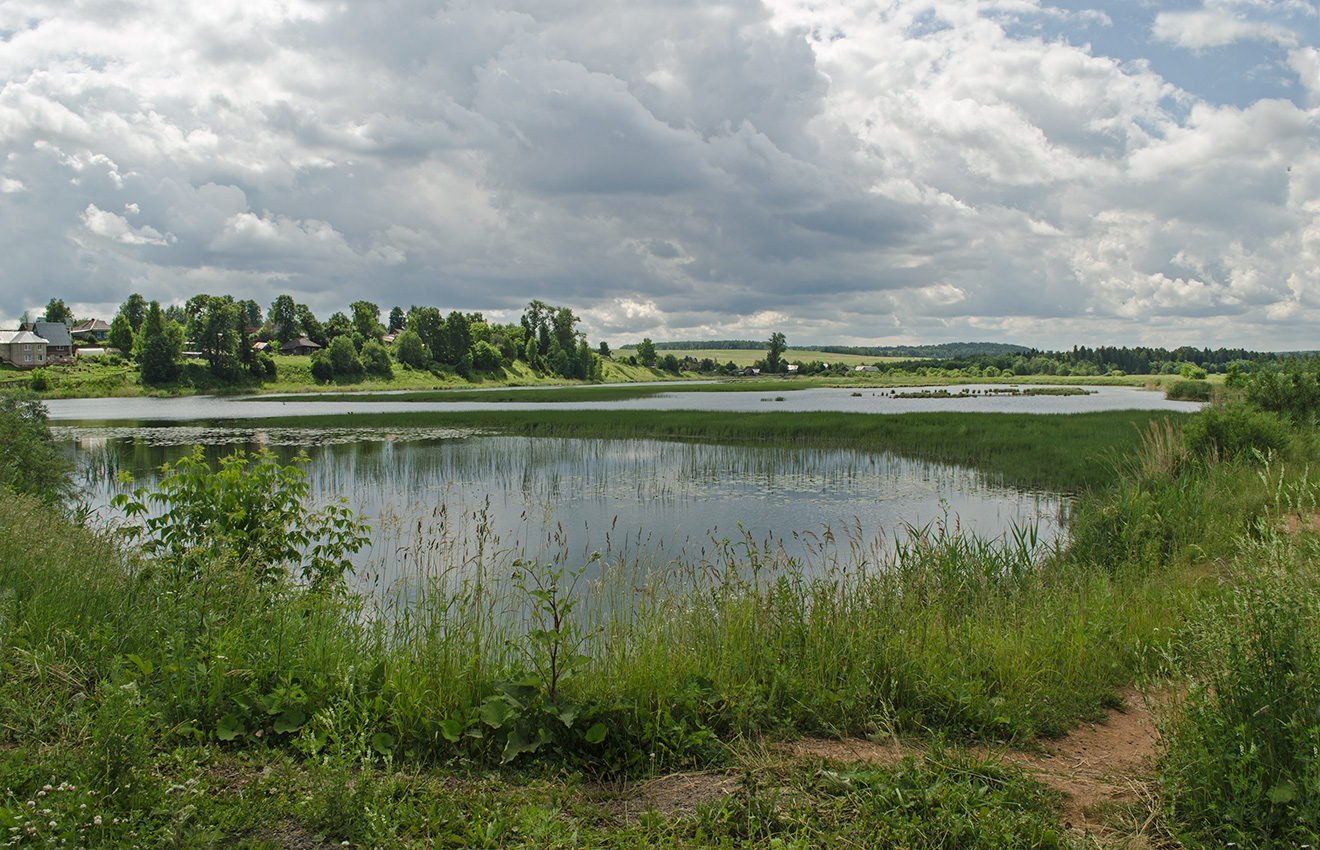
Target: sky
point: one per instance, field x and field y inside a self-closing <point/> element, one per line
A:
<point x="1082" y="172"/>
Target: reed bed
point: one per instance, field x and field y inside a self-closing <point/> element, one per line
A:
<point x="1066" y="452"/>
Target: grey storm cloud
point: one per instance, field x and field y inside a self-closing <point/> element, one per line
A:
<point x="898" y="171"/>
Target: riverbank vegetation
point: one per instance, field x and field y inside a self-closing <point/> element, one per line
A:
<point x="214" y="343"/>
<point x="1068" y="452"/>
<point x="501" y="702"/>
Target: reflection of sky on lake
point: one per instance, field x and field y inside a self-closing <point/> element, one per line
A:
<point x="767" y="397"/>
<point x="523" y="495"/>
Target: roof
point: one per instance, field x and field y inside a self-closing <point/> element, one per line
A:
<point x="91" y="325"/>
<point x="54" y="333"/>
<point x="300" y="342"/>
<point x="19" y="338"/>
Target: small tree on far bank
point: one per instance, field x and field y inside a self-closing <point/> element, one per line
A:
<point x="121" y="335"/>
<point x="774" y="358"/>
<point x="646" y="352"/>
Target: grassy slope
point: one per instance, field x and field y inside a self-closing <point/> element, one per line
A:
<point x="96" y="378"/>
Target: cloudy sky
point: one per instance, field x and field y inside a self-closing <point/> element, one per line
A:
<point x="1045" y="173"/>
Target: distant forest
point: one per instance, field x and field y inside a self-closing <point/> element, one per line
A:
<point x="994" y="359"/>
<point x="941" y="351"/>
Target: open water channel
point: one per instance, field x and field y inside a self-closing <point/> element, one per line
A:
<point x="440" y="498"/>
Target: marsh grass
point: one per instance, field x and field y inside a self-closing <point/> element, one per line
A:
<point x="122" y="676"/>
<point x="1241" y="764"/>
<point x="1065" y="452"/>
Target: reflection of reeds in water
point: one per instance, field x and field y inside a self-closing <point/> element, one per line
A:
<point x="848" y="605"/>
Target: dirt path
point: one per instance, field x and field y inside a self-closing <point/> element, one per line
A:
<point x="1102" y="769"/>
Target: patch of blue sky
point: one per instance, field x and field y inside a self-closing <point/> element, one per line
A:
<point x="1239" y="74"/>
<point x="927" y="23"/>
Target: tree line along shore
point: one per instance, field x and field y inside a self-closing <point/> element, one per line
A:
<point x="219" y="344"/>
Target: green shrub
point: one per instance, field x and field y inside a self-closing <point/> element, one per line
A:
<point x="1292" y="391"/>
<point x="375" y="359"/>
<point x="30" y="461"/>
<point x="1189" y="390"/>
<point x="1242" y="760"/>
<point x="344" y="356"/>
<point x="322" y="369"/>
<point x="40" y="381"/>
<point x="1235" y="430"/>
<point x="252" y="511"/>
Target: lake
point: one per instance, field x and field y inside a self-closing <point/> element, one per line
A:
<point x="440" y="498"/>
<point x="766" y="397"/>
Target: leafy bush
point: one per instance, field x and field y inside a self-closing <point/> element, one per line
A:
<point x="1241" y="765"/>
<point x="1190" y="390"/>
<point x="375" y="359"/>
<point x="252" y="512"/>
<point x="1292" y="391"/>
<point x="30" y="462"/>
<point x="410" y="350"/>
<point x="1234" y="430"/>
<point x="322" y="369"/>
<point x="40" y="381"/>
<point x="486" y="357"/>
<point x="344" y="356"/>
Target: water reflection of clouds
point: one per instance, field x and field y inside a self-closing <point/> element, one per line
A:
<point x="524" y="496"/>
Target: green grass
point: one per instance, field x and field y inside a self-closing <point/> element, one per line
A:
<point x="1068" y="452"/>
<point x="184" y="711"/>
<point x="746" y="357"/>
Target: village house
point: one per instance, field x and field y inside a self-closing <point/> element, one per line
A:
<point x="59" y="345"/>
<point x="301" y="345"/>
<point x="91" y="329"/>
<point x="23" y="349"/>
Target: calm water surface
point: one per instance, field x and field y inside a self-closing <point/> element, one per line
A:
<point x="438" y="498"/>
<point x="214" y="408"/>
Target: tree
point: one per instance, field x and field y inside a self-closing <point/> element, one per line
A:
<point x="429" y="326"/>
<point x="310" y="326"/>
<point x="564" y="327"/>
<point x="284" y="316"/>
<point x="604" y="349"/>
<point x="773" y="360"/>
<point x="121" y="334"/>
<point x="214" y="329"/>
<point x="458" y="335"/>
<point x="157" y="358"/>
<point x="646" y="352"/>
<point x="486" y="357"/>
<point x="531" y="353"/>
<point x="135" y="310"/>
<point x="251" y="311"/>
<point x="376" y="360"/>
<point x="344" y="357"/>
<point x="397" y="320"/>
<point x="366" y="319"/>
<point x="410" y="350"/>
<point x="669" y="363"/>
<point x="337" y="325"/>
<point x="31" y="462"/>
<point x="57" y="312"/>
<point x="535" y="320"/>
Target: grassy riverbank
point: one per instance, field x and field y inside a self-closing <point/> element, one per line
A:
<point x="185" y="703"/>
<point x="103" y="377"/>
<point x="1067" y="452"/>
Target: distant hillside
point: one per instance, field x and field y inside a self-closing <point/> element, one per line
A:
<point x="942" y="350"/>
